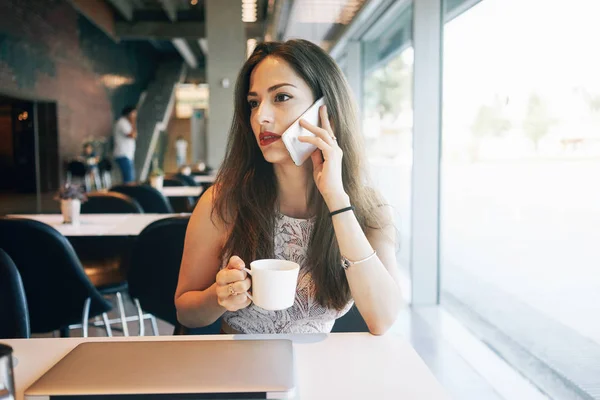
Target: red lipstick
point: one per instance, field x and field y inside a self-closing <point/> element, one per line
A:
<point x="266" y="138"/>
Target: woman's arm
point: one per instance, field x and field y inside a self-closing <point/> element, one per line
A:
<point x="196" y="296"/>
<point x="374" y="283"/>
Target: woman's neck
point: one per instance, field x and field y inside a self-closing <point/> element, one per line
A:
<point x="293" y="185"/>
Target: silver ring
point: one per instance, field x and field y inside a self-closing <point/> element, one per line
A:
<point x="231" y="290"/>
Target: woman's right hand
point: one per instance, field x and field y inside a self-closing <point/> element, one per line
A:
<point x="232" y="284"/>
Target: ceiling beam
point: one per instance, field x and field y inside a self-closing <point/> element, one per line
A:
<point x="99" y="13"/>
<point x="186" y="52"/>
<point x="169" y="30"/>
<point x="160" y="30"/>
<point x="170" y="9"/>
<point x="180" y="44"/>
<point x="124" y="7"/>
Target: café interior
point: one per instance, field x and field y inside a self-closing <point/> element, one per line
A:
<point x="480" y="123"/>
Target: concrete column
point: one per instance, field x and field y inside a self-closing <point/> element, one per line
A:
<point x="226" y="53"/>
<point x="428" y="29"/>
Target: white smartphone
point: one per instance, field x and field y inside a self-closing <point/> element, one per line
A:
<point x="298" y="150"/>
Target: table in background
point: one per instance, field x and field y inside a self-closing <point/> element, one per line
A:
<point x="182" y="191"/>
<point x="204" y="178"/>
<point x="99" y="224"/>
<point x="328" y="366"/>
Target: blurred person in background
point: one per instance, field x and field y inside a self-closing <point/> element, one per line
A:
<point x="125" y="134"/>
<point x="181" y="146"/>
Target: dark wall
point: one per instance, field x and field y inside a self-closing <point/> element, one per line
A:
<point x="50" y="52"/>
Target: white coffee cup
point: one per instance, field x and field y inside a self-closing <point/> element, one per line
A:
<point x="273" y="283"/>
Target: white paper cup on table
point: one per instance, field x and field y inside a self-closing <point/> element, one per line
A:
<point x="273" y="283"/>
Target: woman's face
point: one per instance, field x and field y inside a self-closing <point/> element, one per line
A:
<point x="277" y="97"/>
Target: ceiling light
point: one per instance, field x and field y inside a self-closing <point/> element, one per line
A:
<point x="249" y="11"/>
<point x="114" y="81"/>
<point x="250" y="45"/>
<point x="330" y="11"/>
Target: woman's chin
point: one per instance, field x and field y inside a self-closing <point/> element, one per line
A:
<point x="277" y="156"/>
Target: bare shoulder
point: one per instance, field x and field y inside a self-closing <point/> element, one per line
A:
<point x="204" y="217"/>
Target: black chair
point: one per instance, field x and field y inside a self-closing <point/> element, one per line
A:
<point x="105" y="168"/>
<point x="76" y="169"/>
<point x="14" y="317"/>
<point x="154" y="271"/>
<point x="187" y="179"/>
<point x="151" y="200"/>
<point x="58" y="292"/>
<point x="106" y="259"/>
<point x="352" y="321"/>
<point x="110" y="203"/>
<point x="179" y="204"/>
<point x="173" y="181"/>
<point x="205" y="185"/>
<point x="83" y="172"/>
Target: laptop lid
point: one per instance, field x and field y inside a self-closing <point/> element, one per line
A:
<point x="186" y="369"/>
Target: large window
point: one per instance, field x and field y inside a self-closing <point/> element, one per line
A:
<point x="387" y="118"/>
<point x="520" y="191"/>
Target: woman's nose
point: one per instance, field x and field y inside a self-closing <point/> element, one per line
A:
<point x="264" y="114"/>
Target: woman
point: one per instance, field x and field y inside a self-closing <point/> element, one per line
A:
<point x="263" y="206"/>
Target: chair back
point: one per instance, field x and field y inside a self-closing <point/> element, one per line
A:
<point x="172" y="180"/>
<point x="154" y="269"/>
<point x="151" y="200"/>
<point x="110" y="203"/>
<point x="14" y="317"/>
<point x="105" y="165"/>
<point x="55" y="283"/>
<point x="77" y="168"/>
<point x="187" y="179"/>
<point x="352" y="321"/>
<point x="105" y="253"/>
<point x="179" y="204"/>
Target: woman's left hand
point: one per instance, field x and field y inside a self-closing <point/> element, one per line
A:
<point x="327" y="159"/>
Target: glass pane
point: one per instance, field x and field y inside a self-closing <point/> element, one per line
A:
<point x="387" y="127"/>
<point x="520" y="195"/>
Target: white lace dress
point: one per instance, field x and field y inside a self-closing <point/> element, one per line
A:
<point x="306" y="315"/>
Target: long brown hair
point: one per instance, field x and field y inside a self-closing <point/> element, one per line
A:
<point x="246" y="186"/>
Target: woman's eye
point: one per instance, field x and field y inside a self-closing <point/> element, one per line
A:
<point x="253" y="103"/>
<point x="282" y="97"/>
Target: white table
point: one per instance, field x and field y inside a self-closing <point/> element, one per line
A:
<point x="204" y="178"/>
<point x="335" y="366"/>
<point x="182" y="191"/>
<point x="99" y="224"/>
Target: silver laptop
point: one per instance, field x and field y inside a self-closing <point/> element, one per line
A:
<point x="204" y="369"/>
